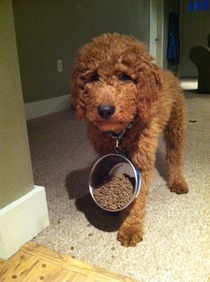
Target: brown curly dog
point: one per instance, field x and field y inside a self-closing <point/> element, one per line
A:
<point x="118" y="88"/>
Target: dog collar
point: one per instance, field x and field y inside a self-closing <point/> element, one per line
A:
<point x="117" y="137"/>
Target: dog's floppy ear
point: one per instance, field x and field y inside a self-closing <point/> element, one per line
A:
<point x="77" y="95"/>
<point x="149" y="85"/>
<point x="149" y="82"/>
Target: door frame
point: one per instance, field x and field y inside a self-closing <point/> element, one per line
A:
<point x="156" y="30"/>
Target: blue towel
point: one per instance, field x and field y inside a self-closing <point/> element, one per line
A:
<point x="173" y="50"/>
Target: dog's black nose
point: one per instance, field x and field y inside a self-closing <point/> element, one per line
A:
<point x="106" y="111"/>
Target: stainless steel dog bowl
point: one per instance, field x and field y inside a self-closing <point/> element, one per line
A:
<point x="109" y="165"/>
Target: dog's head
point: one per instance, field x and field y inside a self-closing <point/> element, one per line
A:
<point x="114" y="81"/>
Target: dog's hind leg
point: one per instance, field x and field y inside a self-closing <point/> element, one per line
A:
<point x="174" y="135"/>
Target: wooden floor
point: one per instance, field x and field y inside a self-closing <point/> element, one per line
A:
<point x="34" y="263"/>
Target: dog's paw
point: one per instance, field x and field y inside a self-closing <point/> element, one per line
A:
<point x="179" y="187"/>
<point x="130" y="235"/>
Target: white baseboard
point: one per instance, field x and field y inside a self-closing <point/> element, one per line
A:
<point x="48" y="106"/>
<point x="22" y="220"/>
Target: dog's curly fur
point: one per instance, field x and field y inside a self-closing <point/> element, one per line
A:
<point x="116" y="82"/>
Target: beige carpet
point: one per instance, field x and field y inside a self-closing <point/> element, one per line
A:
<point x="177" y="227"/>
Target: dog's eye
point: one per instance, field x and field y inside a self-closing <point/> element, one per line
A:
<point x="124" y="77"/>
<point x="94" y="78"/>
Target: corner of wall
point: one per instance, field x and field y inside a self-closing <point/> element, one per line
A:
<point x="22" y="220"/>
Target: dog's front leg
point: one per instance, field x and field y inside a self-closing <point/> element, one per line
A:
<point x="131" y="230"/>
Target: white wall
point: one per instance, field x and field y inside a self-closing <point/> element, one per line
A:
<point x="16" y="171"/>
<point x="23" y="207"/>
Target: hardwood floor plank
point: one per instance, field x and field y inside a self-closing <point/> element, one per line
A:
<point x="34" y="263"/>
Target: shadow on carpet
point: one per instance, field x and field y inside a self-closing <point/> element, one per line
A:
<point x="85" y="203"/>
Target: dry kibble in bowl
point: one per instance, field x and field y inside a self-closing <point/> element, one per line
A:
<point x="115" y="192"/>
